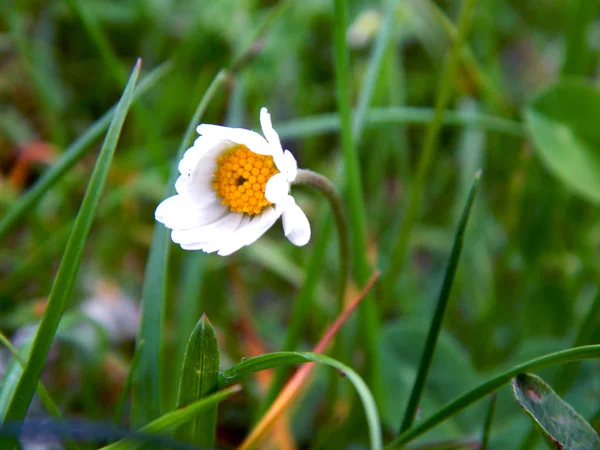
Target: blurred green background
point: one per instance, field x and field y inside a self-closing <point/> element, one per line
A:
<point x="529" y="270"/>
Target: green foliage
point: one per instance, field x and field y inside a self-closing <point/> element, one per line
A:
<point x="559" y="422"/>
<point x="562" y="123"/>
<point x="399" y="103"/>
<point x="199" y="378"/>
<point x="40" y="347"/>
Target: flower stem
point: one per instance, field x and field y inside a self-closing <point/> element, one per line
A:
<point x="327" y="188"/>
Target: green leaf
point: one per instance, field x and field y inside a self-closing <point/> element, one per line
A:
<point x="276" y="359"/>
<point x="176" y="418"/>
<point x="559" y="422"/>
<point x="199" y="378"/>
<point x="69" y="266"/>
<point x="563" y="123"/>
<point x="72" y="154"/>
<point x="486" y="388"/>
<point x="146" y="399"/>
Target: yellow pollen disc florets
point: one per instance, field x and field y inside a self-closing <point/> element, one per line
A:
<point x="240" y="179"/>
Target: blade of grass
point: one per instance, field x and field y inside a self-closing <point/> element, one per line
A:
<point x="293" y="388"/>
<point x="72" y="154"/>
<point x="438" y="317"/>
<point x="271" y="360"/>
<point x="356" y="206"/>
<point x="330" y="123"/>
<point x="199" y="378"/>
<point x="176" y="418"/>
<point x="69" y="266"/>
<point x="146" y="389"/>
<point x="47" y="401"/>
<point x="400" y="246"/>
<point x="490" y="386"/>
<point x="487" y="425"/>
<point x="373" y="71"/>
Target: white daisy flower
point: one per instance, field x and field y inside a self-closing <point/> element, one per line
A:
<point x="234" y="185"/>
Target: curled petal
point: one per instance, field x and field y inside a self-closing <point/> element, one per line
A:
<point x="295" y="223"/>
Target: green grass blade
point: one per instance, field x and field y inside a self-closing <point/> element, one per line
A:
<point x="487" y="425"/>
<point x="438" y="317"/>
<point x="356" y="205"/>
<point x="373" y="71"/>
<point x="199" y="378"/>
<point x="73" y="153"/>
<point x="490" y="386"/>
<point x="430" y="144"/>
<point x="176" y="418"/>
<point x="146" y="401"/>
<point x="270" y="360"/>
<point x="330" y="123"/>
<point x="47" y="401"/>
<point x="69" y="266"/>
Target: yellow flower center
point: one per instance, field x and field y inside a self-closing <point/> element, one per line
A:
<point x="240" y="179"/>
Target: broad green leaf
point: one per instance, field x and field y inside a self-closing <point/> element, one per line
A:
<point x="146" y="394"/>
<point x="72" y="154"/>
<point x="563" y="123"/>
<point x="559" y="422"/>
<point x="176" y="418"/>
<point x="277" y="359"/>
<point x="69" y="266"/>
<point x="199" y="378"/>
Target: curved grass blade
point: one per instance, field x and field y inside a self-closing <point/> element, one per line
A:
<point x="558" y="421"/>
<point x="176" y="418"/>
<point x="488" y="387"/>
<point x="199" y="378"/>
<point x="72" y="154"/>
<point x="330" y="122"/>
<point x="146" y="401"/>
<point x="69" y="266"/>
<point x="438" y="317"/>
<point x="277" y="359"/>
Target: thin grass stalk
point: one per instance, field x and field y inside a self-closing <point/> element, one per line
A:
<point x="400" y="246"/>
<point x="487" y="425"/>
<point x="438" y="317"/>
<point x="146" y="387"/>
<point x="356" y="207"/>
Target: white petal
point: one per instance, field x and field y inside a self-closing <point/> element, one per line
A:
<point x="178" y="212"/>
<point x="277" y="188"/>
<point x="254" y="229"/>
<point x="203" y="147"/>
<point x="268" y="130"/>
<point x="208" y="233"/>
<point x="295" y="224"/>
<point x="290" y="165"/>
<point x="198" y="191"/>
<point x="254" y="141"/>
